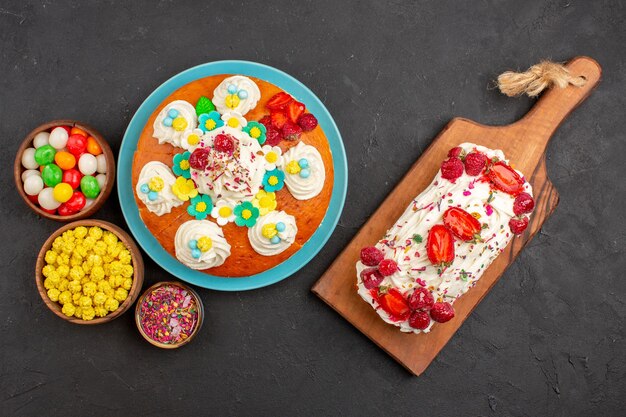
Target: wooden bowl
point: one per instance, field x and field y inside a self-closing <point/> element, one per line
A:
<point x="198" y="325"/>
<point x="137" y="260"/>
<point x="18" y="169"/>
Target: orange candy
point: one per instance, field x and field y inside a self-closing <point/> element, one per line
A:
<point x="93" y="147"/>
<point x="77" y="131"/>
<point x="65" y="160"/>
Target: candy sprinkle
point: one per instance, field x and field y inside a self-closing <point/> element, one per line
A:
<point x="169" y="314"/>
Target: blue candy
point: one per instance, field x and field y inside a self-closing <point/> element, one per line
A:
<point x="304" y="173"/>
<point x="303" y="163"/>
<point x="275" y="240"/>
<point x="153" y="195"/>
<point x="145" y="189"/>
<point x="243" y="94"/>
<point x="196" y="253"/>
<point x="173" y="113"/>
<point x="280" y="226"/>
<point x="193" y="244"/>
<point x="168" y="121"/>
<point x="232" y="89"/>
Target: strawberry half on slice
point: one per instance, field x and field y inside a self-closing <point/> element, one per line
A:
<point x="440" y="246"/>
<point x="462" y="224"/>
<point x="295" y="110"/>
<point x="394" y="304"/>
<point x="505" y="178"/>
<point x="279" y="101"/>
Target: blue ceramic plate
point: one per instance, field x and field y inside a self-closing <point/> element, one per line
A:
<point x="148" y="242"/>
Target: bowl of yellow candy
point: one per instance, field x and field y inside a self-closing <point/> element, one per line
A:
<point x="89" y="272"/>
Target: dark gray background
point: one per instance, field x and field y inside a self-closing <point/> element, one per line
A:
<point x="549" y="338"/>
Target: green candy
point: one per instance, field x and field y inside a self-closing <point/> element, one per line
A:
<point x="89" y="186"/>
<point x="204" y="105"/>
<point x="51" y="175"/>
<point x="44" y="155"/>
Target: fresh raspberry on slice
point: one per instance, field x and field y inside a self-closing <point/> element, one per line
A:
<point x="371" y="277"/>
<point x="307" y="122"/>
<point x="442" y="312"/>
<point x="421" y="299"/>
<point x="278" y="119"/>
<point x="291" y="131"/>
<point x="371" y="256"/>
<point x="388" y="267"/>
<point x="455" y="152"/>
<point x="518" y="225"/>
<point x="224" y="143"/>
<point x="419" y="320"/>
<point x="523" y="203"/>
<point x="451" y="169"/>
<point x="266" y="121"/>
<point x="199" y="158"/>
<point x="273" y="136"/>
<point x="475" y="162"/>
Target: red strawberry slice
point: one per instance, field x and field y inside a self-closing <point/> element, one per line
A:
<point x="462" y="224"/>
<point x="394" y="304"/>
<point x="279" y="101"/>
<point x="440" y="246"/>
<point x="505" y="178"/>
<point x="295" y="110"/>
<point x="278" y="119"/>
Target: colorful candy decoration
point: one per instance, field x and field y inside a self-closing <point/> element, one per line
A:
<point x="65" y="170"/>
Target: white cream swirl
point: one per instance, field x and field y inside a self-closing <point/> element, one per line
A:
<point x="305" y="188"/>
<point x="165" y="198"/>
<point x="239" y="176"/>
<point x="240" y="83"/>
<point x="493" y="209"/>
<point x="194" y="230"/>
<point x="168" y="134"/>
<point x="264" y="246"/>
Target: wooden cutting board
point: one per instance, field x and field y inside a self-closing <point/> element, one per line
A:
<point x="524" y="144"/>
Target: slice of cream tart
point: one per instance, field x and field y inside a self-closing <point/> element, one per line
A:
<point x="444" y="241"/>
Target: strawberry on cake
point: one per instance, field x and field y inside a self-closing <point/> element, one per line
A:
<point x="444" y="241"/>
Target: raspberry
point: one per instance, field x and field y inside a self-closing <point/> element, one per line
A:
<point x="224" y="143"/>
<point x="199" y="158"/>
<point x="388" y="267"/>
<point x="442" y="312"/>
<point x="421" y="299"/>
<point x="371" y="256"/>
<point x="452" y="168"/>
<point x="455" y="152"/>
<point x="371" y="278"/>
<point x="291" y="131"/>
<point x="419" y="320"/>
<point x="307" y="122"/>
<point x="523" y="203"/>
<point x="475" y="162"/>
<point x="518" y="226"/>
<point x="273" y="136"/>
<point x="266" y="121"/>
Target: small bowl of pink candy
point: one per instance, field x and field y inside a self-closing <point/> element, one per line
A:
<point x="64" y="170"/>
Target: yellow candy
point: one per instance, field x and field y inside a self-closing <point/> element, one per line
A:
<point x="127" y="270"/>
<point x="128" y="283"/>
<point x="50" y="257"/>
<point x="65" y="297"/>
<point x="204" y="244"/>
<point x="119" y="280"/>
<point x="85" y="280"/>
<point x="111" y="304"/>
<point x="156" y="184"/>
<point x="255" y="132"/>
<point x="48" y="284"/>
<point x="76" y="273"/>
<point x="95" y="232"/>
<point x="63" y="271"/>
<point x="193" y="139"/>
<point x="293" y="167"/>
<point x="62" y="192"/>
<point x="110" y="239"/>
<point x="269" y="230"/>
<point x="63" y="259"/>
<point x="232" y="101"/>
<point x="246" y="214"/>
<point x="273" y="180"/>
<point x="115" y="268"/>
<point x="233" y="122"/>
<point x="68" y="309"/>
<point x="89" y="242"/>
<point x="88" y="313"/>
<point x="120" y="294"/>
<point x="78" y="312"/>
<point x="74" y="286"/>
<point x="103" y="286"/>
<point x="99" y="298"/>
<point x="101" y="311"/>
<point x="97" y="273"/>
<point x="90" y="288"/>
<point x="53" y="294"/>
<point x="80" y="232"/>
<point x="179" y="124"/>
<point x="63" y="285"/>
<point x="76" y="297"/>
<point x="271" y="156"/>
<point x="124" y="257"/>
<point x="84" y="301"/>
<point x="47" y="270"/>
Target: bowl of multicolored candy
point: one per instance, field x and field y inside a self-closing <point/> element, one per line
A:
<point x="64" y="170"/>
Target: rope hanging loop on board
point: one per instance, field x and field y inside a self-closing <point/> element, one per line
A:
<point x="537" y="78"/>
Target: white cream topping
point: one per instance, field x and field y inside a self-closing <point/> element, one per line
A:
<point x="264" y="246"/>
<point x="168" y="134"/>
<point x="165" y="200"/>
<point x="471" y="259"/>
<point x="194" y="230"/>
<point x="300" y="187"/>
<point x="240" y="83"/>
<point x="236" y="177"/>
